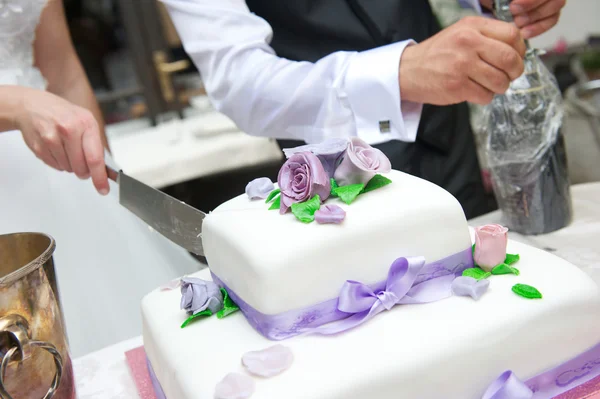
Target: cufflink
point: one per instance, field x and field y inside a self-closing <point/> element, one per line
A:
<point x="384" y="126"/>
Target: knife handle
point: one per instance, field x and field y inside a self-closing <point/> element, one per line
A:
<point x="112" y="174"/>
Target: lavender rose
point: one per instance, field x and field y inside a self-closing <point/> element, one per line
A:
<point x="490" y="246"/>
<point x="361" y="163"/>
<point x="329" y="152"/>
<point x="300" y="179"/>
<point x="198" y="295"/>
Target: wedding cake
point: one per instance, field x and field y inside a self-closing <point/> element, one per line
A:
<point x="355" y="281"/>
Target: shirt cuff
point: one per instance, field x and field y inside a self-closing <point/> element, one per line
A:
<point x="373" y="92"/>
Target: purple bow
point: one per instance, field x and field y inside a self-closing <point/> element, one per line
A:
<point x="508" y="386"/>
<point x="363" y="302"/>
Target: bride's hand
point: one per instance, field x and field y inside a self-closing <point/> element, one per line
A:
<point x="63" y="135"/>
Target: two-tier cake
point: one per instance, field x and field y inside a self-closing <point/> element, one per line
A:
<point x="356" y="281"/>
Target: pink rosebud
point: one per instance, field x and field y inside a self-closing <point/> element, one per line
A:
<point x="490" y="246"/>
<point x="361" y="163"/>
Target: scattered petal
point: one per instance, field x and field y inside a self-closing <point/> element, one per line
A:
<point x="171" y="285"/>
<point x="234" y="386"/>
<point x="259" y="188"/>
<point x="268" y="362"/>
<point x="469" y="286"/>
<point x="330" y="214"/>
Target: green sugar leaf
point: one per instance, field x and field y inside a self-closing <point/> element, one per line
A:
<point x="229" y="306"/>
<point x="376" y="182"/>
<point x="476" y="273"/>
<point x="503" y="268"/>
<point x="305" y="211"/>
<point x="334" y="186"/>
<point x="276" y="204"/>
<point x="203" y="314"/>
<point x="349" y="193"/>
<point x="272" y="195"/>
<point x="526" y="291"/>
<point x="511" y="259"/>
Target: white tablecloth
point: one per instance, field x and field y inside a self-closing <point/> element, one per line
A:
<point x="105" y="374"/>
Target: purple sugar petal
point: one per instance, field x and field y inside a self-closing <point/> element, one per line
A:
<point x="259" y="188"/>
<point x="330" y="214"/>
<point x="171" y="285"/>
<point x="468" y="286"/>
<point x="235" y="386"/>
<point x="329" y="152"/>
<point x="268" y="362"/>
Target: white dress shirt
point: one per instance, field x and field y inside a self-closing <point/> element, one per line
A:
<point x="344" y="94"/>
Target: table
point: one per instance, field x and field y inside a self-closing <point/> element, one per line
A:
<point x="105" y="374"/>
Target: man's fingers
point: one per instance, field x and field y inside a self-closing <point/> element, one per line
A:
<point x="489" y="77"/>
<point x="545" y="10"/>
<point x="540" y="27"/>
<point x="502" y="57"/>
<point x="94" y="157"/>
<point x="504" y="32"/>
<point x="521" y="6"/>
<point x="478" y="94"/>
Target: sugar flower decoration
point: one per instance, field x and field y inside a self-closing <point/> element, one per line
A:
<point x="469" y="286"/>
<point x="361" y="163"/>
<point x="259" y="188"/>
<point x="235" y="386"/>
<point x="198" y="295"/>
<point x="330" y="213"/>
<point x="490" y="246"/>
<point x="268" y="362"/>
<point x="301" y="178"/>
<point x="329" y="152"/>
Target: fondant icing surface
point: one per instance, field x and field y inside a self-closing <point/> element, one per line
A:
<point x="276" y="263"/>
<point x="451" y="349"/>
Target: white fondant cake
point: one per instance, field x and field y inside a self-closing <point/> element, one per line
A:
<point x="451" y="349"/>
<point x="276" y="263"/>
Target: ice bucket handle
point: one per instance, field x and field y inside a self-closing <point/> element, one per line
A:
<point x="16" y="328"/>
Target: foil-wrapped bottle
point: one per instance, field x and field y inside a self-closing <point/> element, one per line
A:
<point x="525" y="148"/>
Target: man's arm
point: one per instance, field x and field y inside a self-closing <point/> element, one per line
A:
<point x="56" y="58"/>
<point x="344" y="94"/>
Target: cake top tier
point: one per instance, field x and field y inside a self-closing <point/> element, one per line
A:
<point x="276" y="263"/>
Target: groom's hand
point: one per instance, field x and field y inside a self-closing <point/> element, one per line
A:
<point x="535" y="17"/>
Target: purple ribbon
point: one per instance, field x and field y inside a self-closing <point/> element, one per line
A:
<point x="549" y="384"/>
<point x="409" y="281"/>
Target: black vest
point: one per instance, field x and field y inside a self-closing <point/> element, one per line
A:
<point x="308" y="30"/>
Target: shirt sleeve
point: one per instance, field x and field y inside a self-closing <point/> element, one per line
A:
<point x="343" y="94"/>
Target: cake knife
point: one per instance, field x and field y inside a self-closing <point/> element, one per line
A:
<point x="176" y="220"/>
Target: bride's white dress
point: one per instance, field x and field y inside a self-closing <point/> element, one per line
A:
<point x="106" y="259"/>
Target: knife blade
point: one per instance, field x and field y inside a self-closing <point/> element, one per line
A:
<point x="174" y="219"/>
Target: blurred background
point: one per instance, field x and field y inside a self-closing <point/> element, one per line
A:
<point x="163" y="130"/>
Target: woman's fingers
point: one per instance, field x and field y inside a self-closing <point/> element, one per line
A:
<point x="93" y="151"/>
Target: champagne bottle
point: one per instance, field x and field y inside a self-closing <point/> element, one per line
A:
<point x="525" y="148"/>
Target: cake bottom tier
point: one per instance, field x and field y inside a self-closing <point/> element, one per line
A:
<point x="452" y="349"/>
